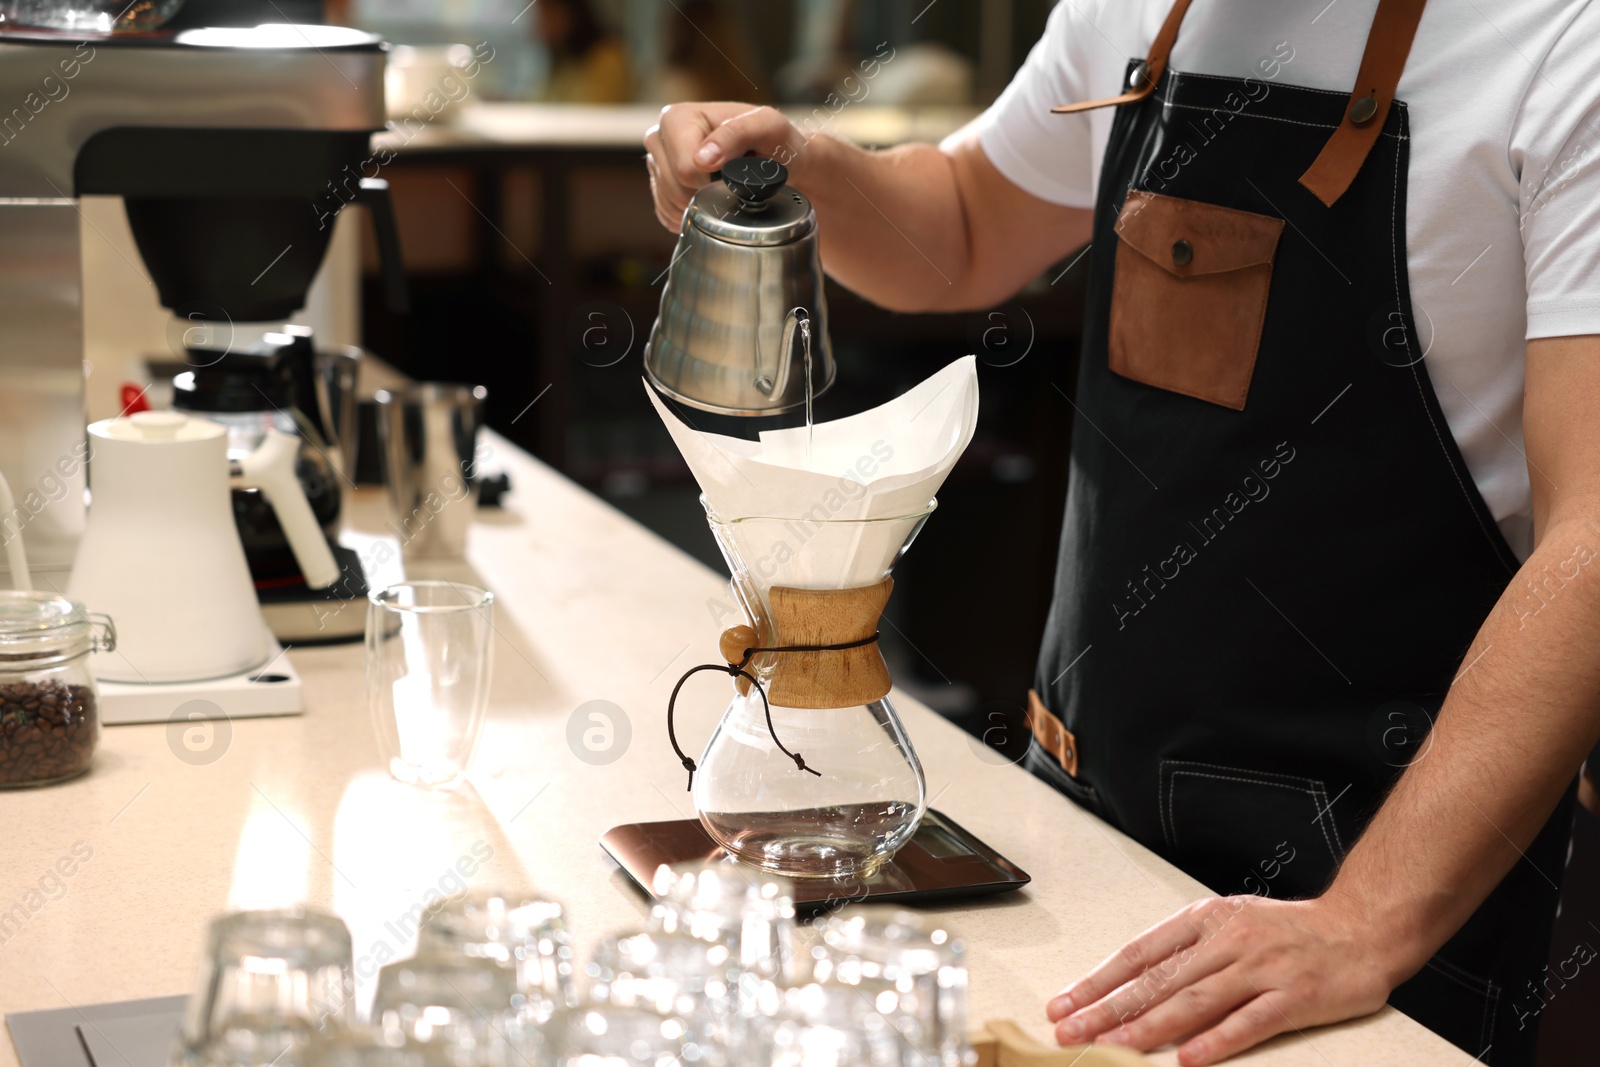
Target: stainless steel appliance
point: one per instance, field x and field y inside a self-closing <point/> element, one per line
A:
<point x="232" y="149"/>
<point x="743" y="327"/>
<point x="428" y="432"/>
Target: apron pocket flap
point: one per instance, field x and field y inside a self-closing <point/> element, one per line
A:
<point x="1187" y="238"/>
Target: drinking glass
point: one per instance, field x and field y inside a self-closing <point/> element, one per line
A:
<point x="268" y="981"/>
<point x="373" y="1047"/>
<point x="526" y="935"/>
<point x="749" y="910"/>
<point x="618" y="1035"/>
<point x="827" y="1024"/>
<point x="253" y="1043"/>
<point x="910" y="970"/>
<point x="429" y="654"/>
<point x="673" y="974"/>
<point x="467" y="1009"/>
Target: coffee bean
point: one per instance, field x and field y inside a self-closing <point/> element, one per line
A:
<point x="48" y="731"/>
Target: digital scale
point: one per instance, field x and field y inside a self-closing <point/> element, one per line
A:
<point x="942" y="861"/>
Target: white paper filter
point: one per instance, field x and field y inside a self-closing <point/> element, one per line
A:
<point x="882" y="463"/>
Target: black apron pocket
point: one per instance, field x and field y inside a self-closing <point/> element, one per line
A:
<point x="1038" y="762"/>
<point x="1461" y="1008"/>
<point x="1244" y="831"/>
<point x="1189" y="295"/>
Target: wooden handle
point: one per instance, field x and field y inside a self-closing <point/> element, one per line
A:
<point x="1002" y="1043"/>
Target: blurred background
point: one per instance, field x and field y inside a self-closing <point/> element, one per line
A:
<point x="536" y="265"/>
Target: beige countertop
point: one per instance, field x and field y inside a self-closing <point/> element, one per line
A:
<point x="594" y="126"/>
<point x="591" y="607"/>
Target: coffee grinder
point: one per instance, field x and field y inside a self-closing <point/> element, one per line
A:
<point x="232" y="149"/>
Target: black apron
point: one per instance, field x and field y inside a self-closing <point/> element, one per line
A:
<point x="1273" y="558"/>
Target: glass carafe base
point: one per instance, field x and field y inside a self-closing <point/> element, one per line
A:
<point x="841" y="841"/>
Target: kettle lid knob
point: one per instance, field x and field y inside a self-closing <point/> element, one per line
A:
<point x="158" y="425"/>
<point x="753" y="180"/>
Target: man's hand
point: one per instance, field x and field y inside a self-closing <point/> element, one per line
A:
<point x="913" y="228"/>
<point x="1229" y="972"/>
<point x="692" y="140"/>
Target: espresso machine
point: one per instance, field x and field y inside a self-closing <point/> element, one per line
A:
<point x="232" y="149"/>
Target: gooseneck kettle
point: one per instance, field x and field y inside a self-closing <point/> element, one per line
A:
<point x="162" y="552"/>
<point x="743" y="326"/>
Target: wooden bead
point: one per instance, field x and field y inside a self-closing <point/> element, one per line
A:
<point x="734" y="640"/>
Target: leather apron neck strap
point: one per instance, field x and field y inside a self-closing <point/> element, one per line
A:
<point x="1330" y="174"/>
<point x="1142" y="80"/>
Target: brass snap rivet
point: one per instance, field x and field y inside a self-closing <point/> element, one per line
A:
<point x="1067" y="754"/>
<point x="1137" y="76"/>
<point x="1182" y="253"/>
<point x="1362" y="110"/>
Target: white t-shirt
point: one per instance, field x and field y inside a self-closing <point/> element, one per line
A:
<point x="1503" y="197"/>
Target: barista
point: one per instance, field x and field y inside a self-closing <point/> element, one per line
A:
<point x="1328" y="596"/>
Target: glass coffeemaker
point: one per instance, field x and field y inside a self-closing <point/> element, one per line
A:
<point x="810" y="773"/>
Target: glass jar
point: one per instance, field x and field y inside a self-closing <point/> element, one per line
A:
<point x="49" y="717"/>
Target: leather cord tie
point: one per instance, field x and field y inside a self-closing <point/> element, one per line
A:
<point x="738" y="670"/>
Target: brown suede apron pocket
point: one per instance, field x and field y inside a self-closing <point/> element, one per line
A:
<point x="1189" y="295"/>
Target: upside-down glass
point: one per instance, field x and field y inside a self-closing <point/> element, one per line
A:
<point x="749" y="911"/>
<point x="269" y="980"/>
<point x="429" y="655"/>
<point x="910" y="969"/>
<point x="467" y="1009"/>
<point x="827" y="1024"/>
<point x="371" y="1047"/>
<point x="249" y="1042"/>
<point x="619" y="1035"/>
<point x="749" y="793"/>
<point x="672" y="974"/>
<point x="527" y="935"/>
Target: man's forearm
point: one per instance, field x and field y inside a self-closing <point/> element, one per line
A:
<point x="1516" y="724"/>
<point x="891" y="222"/>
